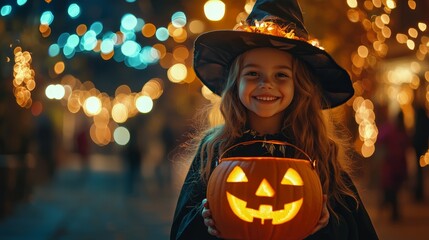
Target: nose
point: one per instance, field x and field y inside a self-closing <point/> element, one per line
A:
<point x="265" y="82"/>
<point x="265" y="189"/>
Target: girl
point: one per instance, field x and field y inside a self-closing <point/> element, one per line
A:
<point x="274" y="86"/>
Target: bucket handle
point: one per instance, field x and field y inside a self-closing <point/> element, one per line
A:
<point x="312" y="162"/>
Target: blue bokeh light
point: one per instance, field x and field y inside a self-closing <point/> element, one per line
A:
<point x="129" y="35"/>
<point x="107" y="46"/>
<point x="96" y="27"/>
<point x="68" y="51"/>
<point x="130" y="48"/>
<point x="54" y="50"/>
<point x="89" y="40"/>
<point x="47" y="18"/>
<point x="73" y="40"/>
<point x="162" y="34"/>
<point x="129" y="22"/>
<point x="62" y="39"/>
<point x="73" y="10"/>
<point x="119" y="56"/>
<point x="124" y="45"/>
<point x="139" y="25"/>
<point x="21" y="2"/>
<point x="149" y="55"/>
<point x="178" y="19"/>
<point x="134" y="61"/>
<point x="6" y="10"/>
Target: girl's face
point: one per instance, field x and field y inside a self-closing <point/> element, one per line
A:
<point x="265" y="82"/>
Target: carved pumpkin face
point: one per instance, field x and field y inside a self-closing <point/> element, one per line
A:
<point x="266" y="192"/>
<point x="252" y="198"/>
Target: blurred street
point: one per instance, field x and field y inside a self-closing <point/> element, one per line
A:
<point x="415" y="215"/>
<point x="94" y="204"/>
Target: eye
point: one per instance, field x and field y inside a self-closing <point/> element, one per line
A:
<point x="292" y="177"/>
<point x="251" y="74"/>
<point x="237" y="175"/>
<point x="282" y="75"/>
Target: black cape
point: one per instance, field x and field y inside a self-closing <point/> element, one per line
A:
<point x="352" y="223"/>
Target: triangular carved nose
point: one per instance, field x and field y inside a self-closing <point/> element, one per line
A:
<point x="265" y="189"/>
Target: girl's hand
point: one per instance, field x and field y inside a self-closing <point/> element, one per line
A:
<point x="208" y="221"/>
<point x="324" y="217"/>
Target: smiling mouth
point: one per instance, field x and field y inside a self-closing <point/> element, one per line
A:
<point x="266" y="98"/>
<point x="265" y="212"/>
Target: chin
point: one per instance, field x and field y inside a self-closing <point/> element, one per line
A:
<point x="267" y="115"/>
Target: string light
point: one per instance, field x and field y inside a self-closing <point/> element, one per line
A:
<point x="23" y="82"/>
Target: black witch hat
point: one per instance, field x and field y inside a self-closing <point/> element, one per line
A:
<point x="277" y="24"/>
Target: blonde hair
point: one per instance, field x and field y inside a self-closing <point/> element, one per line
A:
<point x="321" y="138"/>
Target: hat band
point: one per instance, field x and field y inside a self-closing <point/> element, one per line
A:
<point x="274" y="29"/>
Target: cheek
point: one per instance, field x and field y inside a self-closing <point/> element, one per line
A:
<point x="243" y="91"/>
<point x="291" y="94"/>
<point x="288" y="90"/>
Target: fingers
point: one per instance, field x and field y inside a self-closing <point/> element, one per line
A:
<point x="205" y="203"/>
<point x="208" y="221"/>
<point x="212" y="231"/>
<point x="324" y="216"/>
<point x="206" y="211"/>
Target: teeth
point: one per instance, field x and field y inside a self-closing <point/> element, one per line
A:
<point x="266" y="98"/>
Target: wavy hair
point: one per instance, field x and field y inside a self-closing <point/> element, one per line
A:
<point x="322" y="137"/>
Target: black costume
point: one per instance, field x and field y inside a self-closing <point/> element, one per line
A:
<point x="188" y="224"/>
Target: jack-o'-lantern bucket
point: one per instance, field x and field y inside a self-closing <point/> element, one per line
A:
<point x="265" y="197"/>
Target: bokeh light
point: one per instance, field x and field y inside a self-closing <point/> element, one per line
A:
<point x="178" y="19"/>
<point x="73" y="10"/>
<point x="55" y="91"/>
<point x="24" y="81"/>
<point x="144" y="104"/>
<point x="214" y="10"/>
<point x="129" y="22"/>
<point x="121" y="135"/>
<point x="119" y="113"/>
<point x="177" y="73"/>
<point x="5" y="10"/>
<point x="47" y="18"/>
<point x="92" y="106"/>
<point x="162" y="34"/>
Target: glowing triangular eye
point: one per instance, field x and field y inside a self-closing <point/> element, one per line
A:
<point x="237" y="175"/>
<point x="292" y="177"/>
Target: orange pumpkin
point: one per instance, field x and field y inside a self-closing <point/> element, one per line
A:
<point x="265" y="197"/>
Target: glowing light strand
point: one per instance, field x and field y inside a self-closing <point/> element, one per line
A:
<point x="23" y="81"/>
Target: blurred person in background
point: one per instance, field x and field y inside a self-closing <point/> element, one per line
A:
<point x="393" y="142"/>
<point x="133" y="154"/>
<point x="16" y="141"/>
<point x="83" y="147"/>
<point x="420" y="141"/>
<point x="45" y="141"/>
<point x="163" y="168"/>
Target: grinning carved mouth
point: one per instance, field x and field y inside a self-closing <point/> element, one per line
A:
<point x="265" y="212"/>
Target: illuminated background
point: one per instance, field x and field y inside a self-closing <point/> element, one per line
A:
<point x="101" y="63"/>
